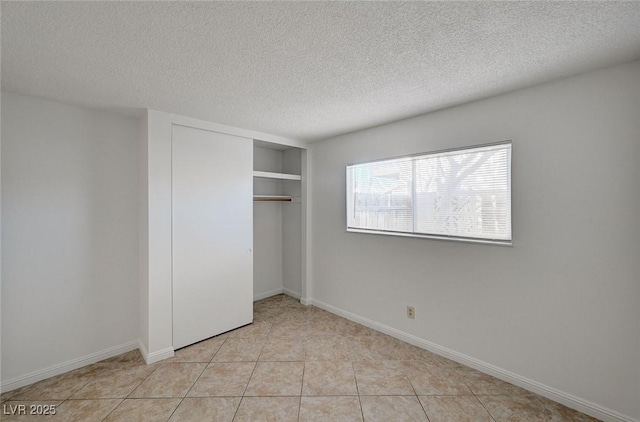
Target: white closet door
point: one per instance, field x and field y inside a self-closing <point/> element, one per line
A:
<point x="212" y="188"/>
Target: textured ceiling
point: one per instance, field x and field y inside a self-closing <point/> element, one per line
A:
<point x="306" y="70"/>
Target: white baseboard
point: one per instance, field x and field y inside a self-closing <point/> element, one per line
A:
<point x="274" y="292"/>
<point x="265" y="295"/>
<point x="143" y="351"/>
<point x="157" y="356"/>
<point x="556" y="395"/>
<point x="291" y="293"/>
<point x="61" y="368"/>
<point x="306" y="301"/>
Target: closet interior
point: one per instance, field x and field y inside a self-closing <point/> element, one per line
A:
<point x="277" y="220"/>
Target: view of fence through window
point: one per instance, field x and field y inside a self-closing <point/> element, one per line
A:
<point x="463" y="193"/>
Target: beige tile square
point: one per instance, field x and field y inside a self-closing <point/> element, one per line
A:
<point x="60" y="387"/>
<point x="296" y="307"/>
<point x="392" y="408"/>
<point x="454" y="409"/>
<point x="265" y="315"/>
<point x="428" y="384"/>
<point x="283" y="350"/>
<point x="169" y="380"/>
<point x="96" y="370"/>
<point x="330" y="409"/>
<point x="223" y="379"/>
<point x="267" y="305"/>
<point x="218" y="409"/>
<point x="8" y="395"/>
<point x="384" y="378"/>
<point x="144" y="410"/>
<point x="239" y="350"/>
<point x="428" y="380"/>
<point x="271" y="300"/>
<point x="116" y="383"/>
<point x="315" y="312"/>
<point x="442" y="362"/>
<point x="289" y="316"/>
<point x="258" y="330"/>
<point x="13" y="411"/>
<point x="328" y="317"/>
<point x="85" y="410"/>
<point x="557" y="411"/>
<point x="372" y="348"/>
<point x="201" y="352"/>
<point x="410" y="366"/>
<point x="350" y="328"/>
<point x="483" y="384"/>
<point x="289" y="328"/>
<point x="329" y="378"/>
<point x="268" y="409"/>
<point x="515" y="408"/>
<point x="300" y="313"/>
<point x="326" y="326"/>
<point x="451" y="366"/>
<point x="405" y="351"/>
<point x="327" y="348"/>
<point x="292" y="302"/>
<point x="276" y="379"/>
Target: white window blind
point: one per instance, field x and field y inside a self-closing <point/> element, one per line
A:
<point x="381" y="195"/>
<point x="458" y="194"/>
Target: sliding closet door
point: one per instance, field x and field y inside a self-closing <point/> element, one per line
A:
<point x="212" y="188"/>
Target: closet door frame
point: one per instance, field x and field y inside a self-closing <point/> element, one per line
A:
<point x="155" y="248"/>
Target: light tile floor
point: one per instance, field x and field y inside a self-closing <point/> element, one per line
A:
<point x="294" y="363"/>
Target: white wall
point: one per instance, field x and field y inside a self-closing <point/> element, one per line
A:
<point x="562" y="306"/>
<point x="69" y="235"/>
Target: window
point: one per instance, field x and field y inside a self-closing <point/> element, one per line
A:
<point x="462" y="194"/>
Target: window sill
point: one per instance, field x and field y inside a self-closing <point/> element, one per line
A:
<point x="433" y="237"/>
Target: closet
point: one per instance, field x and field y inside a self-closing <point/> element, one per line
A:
<point x="202" y="194"/>
<point x="212" y="235"/>
<point x="277" y="220"/>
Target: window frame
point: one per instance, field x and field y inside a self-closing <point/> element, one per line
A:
<point x="464" y="239"/>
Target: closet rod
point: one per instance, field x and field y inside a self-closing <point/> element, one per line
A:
<point x="272" y="199"/>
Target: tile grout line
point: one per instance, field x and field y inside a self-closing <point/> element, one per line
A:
<point x="357" y="388"/>
<point x="245" y="388"/>
<point x="134" y="389"/>
<point x="84" y="385"/>
<point x="113" y="410"/>
<point x="304" y="367"/>
<point x="190" y="388"/>
<point x="416" y="393"/>
<point x="479" y="401"/>
<point x="117" y="364"/>
<point x="423" y="409"/>
<point x="142" y="382"/>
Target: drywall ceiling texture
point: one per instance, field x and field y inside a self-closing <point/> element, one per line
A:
<point x="307" y="70"/>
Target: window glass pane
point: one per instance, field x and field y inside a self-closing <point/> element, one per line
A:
<point x="380" y="195"/>
<point x="465" y="193"/>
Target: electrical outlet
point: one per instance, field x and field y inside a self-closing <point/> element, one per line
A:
<point x="411" y="313"/>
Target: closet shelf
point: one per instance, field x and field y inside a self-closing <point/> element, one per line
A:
<point x="271" y="198"/>
<point x="279" y="176"/>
